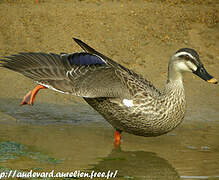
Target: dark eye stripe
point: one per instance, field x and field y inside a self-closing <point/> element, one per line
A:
<point x="188" y="58"/>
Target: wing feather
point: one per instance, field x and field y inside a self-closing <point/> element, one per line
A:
<point x="80" y="74"/>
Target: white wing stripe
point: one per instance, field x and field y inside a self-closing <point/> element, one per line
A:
<point x="50" y="87"/>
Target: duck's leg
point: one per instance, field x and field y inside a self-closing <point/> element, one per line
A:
<point x="117" y="138"/>
<point x="30" y="96"/>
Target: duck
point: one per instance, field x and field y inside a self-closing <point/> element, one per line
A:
<point x="128" y="101"/>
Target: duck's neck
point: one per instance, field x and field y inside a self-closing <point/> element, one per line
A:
<point x="174" y="86"/>
<point x="173" y="100"/>
<point x="174" y="75"/>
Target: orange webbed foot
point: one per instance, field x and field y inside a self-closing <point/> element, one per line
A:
<point x="26" y="99"/>
<point x="30" y="96"/>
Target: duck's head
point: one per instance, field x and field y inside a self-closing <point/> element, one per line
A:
<point x="187" y="60"/>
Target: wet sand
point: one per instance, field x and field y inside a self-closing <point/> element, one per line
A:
<point x="61" y="132"/>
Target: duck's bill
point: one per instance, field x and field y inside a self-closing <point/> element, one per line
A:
<point x="202" y="73"/>
<point x="213" y="81"/>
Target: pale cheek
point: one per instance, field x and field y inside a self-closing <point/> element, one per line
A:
<point x="182" y="67"/>
<point x="192" y="66"/>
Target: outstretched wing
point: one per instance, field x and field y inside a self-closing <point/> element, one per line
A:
<point x="80" y="74"/>
<point x="134" y="82"/>
<point x="107" y="60"/>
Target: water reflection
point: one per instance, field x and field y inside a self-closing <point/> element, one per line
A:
<point x="43" y="113"/>
<point x="137" y="164"/>
<point x="78" y="136"/>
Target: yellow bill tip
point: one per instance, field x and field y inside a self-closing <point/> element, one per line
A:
<point x="212" y="80"/>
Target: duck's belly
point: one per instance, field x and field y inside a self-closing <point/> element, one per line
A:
<point x="134" y="120"/>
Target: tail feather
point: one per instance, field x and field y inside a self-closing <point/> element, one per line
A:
<point x="90" y="50"/>
<point x="85" y="47"/>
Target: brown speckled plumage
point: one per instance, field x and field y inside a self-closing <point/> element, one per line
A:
<point x="153" y="114"/>
<point x="125" y="99"/>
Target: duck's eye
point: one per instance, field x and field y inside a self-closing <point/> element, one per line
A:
<point x="187" y="57"/>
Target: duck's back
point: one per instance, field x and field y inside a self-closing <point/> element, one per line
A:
<point x="135" y="114"/>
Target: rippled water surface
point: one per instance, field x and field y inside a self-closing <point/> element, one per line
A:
<point x="73" y="137"/>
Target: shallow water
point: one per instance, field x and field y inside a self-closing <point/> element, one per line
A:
<point x="72" y="137"/>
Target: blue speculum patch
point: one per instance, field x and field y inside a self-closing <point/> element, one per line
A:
<point x="83" y="59"/>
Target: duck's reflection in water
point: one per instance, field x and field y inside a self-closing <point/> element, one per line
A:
<point x="137" y="165"/>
